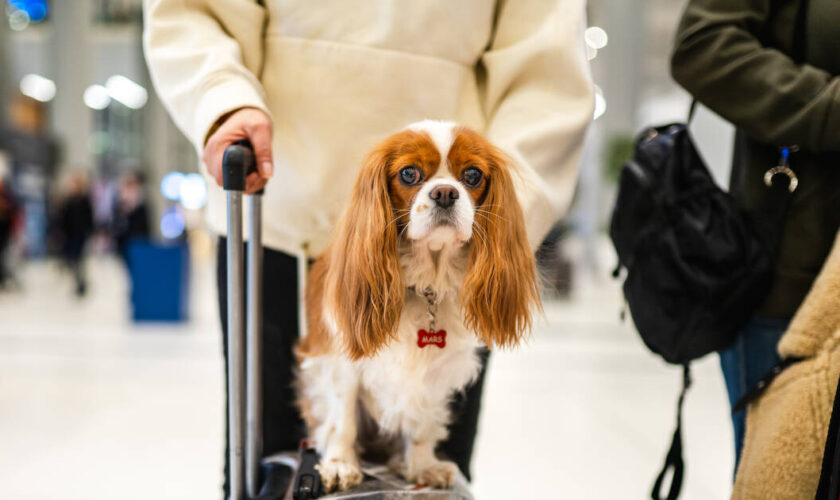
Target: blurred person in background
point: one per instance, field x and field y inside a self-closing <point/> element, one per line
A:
<point x="33" y="153"/>
<point x="26" y="120"/>
<point x="314" y="85"/>
<point x="737" y="58"/>
<point x="75" y="223"/>
<point x="9" y="220"/>
<point x="131" y="215"/>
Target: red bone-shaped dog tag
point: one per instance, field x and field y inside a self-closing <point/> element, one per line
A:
<point x="437" y="338"/>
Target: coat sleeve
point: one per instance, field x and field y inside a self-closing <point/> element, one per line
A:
<point x="205" y="57"/>
<point x="539" y="99"/>
<point x="719" y="59"/>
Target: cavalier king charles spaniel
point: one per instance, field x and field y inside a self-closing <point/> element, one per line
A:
<point x="429" y="263"/>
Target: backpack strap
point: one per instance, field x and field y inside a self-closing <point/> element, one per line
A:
<point x="829" y="486"/>
<point x="691" y="110"/>
<point x="758" y="388"/>
<point x="800" y="33"/>
<point x="674" y="458"/>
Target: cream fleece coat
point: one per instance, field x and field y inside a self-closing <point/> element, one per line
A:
<point x="337" y="76"/>
<point x="787" y="426"/>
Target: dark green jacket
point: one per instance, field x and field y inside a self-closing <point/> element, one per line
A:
<point x="734" y="56"/>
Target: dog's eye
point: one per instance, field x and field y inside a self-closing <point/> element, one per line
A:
<point x="411" y="175"/>
<point x="472" y="177"/>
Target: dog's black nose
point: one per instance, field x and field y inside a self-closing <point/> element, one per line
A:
<point x="444" y="195"/>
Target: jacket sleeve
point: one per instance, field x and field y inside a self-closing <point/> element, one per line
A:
<point x="204" y="57"/>
<point x="719" y="59"/>
<point x="538" y="96"/>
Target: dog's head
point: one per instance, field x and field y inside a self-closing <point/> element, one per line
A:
<point x="440" y="184"/>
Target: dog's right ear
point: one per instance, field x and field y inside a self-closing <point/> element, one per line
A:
<point x="365" y="293"/>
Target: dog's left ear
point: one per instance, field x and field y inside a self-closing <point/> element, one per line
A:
<point x="500" y="290"/>
<point x="365" y="293"/>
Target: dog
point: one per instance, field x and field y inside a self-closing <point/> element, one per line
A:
<point x="429" y="263"/>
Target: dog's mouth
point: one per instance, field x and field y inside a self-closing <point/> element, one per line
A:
<point x="443" y="218"/>
<point x="448" y="222"/>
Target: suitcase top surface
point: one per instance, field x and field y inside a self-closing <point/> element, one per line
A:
<point x="380" y="483"/>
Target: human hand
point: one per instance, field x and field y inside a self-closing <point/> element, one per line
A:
<point x="246" y="123"/>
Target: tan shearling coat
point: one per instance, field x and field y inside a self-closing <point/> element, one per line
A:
<point x="787" y="426"/>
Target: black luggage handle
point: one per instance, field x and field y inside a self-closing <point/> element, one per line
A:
<point x="238" y="161"/>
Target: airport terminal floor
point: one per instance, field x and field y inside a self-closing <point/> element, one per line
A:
<point x="93" y="406"/>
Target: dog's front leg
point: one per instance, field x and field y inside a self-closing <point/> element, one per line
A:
<point x="419" y="462"/>
<point x="335" y="436"/>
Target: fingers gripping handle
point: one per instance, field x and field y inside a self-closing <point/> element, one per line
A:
<point x="237" y="162"/>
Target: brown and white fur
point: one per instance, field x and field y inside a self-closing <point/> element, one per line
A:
<point x="361" y="370"/>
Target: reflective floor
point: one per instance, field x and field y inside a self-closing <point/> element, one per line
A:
<point x="93" y="407"/>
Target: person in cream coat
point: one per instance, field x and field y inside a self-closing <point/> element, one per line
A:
<point x="314" y="85"/>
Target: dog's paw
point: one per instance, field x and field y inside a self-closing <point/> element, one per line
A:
<point x="439" y="475"/>
<point x="339" y="474"/>
<point x="397" y="464"/>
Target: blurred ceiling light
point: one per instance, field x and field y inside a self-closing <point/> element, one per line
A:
<point x="193" y="192"/>
<point x="172" y="223"/>
<point x="170" y="185"/>
<point x="18" y="20"/>
<point x="96" y="97"/>
<point x="127" y="92"/>
<point x="35" y="10"/>
<point x="596" y="37"/>
<point x="600" y="103"/>
<point x="37" y="87"/>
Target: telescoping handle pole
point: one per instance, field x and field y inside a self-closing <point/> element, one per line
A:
<point x="253" y="358"/>
<point x="243" y="386"/>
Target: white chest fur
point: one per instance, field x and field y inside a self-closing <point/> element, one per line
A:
<point x="405" y="382"/>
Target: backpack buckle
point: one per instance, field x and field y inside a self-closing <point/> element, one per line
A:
<point x="783" y="168"/>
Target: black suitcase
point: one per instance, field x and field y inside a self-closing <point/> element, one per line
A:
<point x="289" y="475"/>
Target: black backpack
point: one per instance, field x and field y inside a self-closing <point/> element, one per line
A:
<point x="697" y="265"/>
